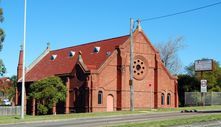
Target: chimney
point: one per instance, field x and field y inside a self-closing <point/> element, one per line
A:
<point x="20" y="64"/>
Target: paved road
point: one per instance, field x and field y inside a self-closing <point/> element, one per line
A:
<point x="104" y="121"/>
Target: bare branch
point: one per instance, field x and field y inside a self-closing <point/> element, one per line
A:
<point x="168" y="52"/>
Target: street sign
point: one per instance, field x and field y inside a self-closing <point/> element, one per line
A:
<point x="203" y="65"/>
<point x="203" y="86"/>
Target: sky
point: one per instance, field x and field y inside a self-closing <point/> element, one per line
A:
<point x="66" y="23"/>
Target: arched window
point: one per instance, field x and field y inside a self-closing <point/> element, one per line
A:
<point x="1" y="94"/>
<point x="162" y="99"/>
<point x="168" y="99"/>
<point x="100" y="97"/>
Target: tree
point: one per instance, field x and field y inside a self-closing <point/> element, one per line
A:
<point x="190" y="82"/>
<point x="186" y="83"/>
<point x="8" y="88"/>
<point x="47" y="92"/>
<point x="2" y="37"/>
<point x="2" y="68"/>
<point x="213" y="77"/>
<point x="168" y="52"/>
<point x="10" y="92"/>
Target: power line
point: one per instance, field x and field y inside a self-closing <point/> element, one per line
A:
<point x="182" y="12"/>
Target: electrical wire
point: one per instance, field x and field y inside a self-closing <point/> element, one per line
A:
<point x="182" y="12"/>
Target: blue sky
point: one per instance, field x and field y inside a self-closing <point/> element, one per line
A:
<point x="68" y="22"/>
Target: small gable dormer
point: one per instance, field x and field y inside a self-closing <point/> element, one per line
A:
<point x="53" y="57"/>
<point x="96" y="49"/>
<point x="71" y="53"/>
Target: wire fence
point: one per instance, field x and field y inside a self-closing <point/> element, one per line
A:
<point x="10" y="110"/>
<point x="199" y="99"/>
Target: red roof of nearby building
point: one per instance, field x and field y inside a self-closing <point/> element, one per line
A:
<point x="4" y="82"/>
<point x="64" y="64"/>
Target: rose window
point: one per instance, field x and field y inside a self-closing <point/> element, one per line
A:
<point x="139" y="68"/>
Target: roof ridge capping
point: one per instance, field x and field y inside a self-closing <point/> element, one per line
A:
<point x="92" y="42"/>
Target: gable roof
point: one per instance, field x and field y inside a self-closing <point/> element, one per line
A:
<point x="5" y="82"/>
<point x="4" y="79"/>
<point x="64" y="63"/>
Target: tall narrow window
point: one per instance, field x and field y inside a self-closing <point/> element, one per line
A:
<point x="100" y="97"/>
<point x="168" y="99"/>
<point x="162" y="99"/>
<point x="1" y="94"/>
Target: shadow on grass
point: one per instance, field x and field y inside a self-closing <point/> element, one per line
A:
<point x="16" y="117"/>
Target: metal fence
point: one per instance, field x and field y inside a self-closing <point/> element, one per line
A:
<point x="10" y="110"/>
<point x="198" y="99"/>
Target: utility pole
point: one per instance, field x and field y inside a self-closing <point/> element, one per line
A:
<point x="131" y="66"/>
<point x="23" y="67"/>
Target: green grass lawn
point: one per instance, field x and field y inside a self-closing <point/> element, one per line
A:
<point x="173" y="122"/>
<point x="16" y="119"/>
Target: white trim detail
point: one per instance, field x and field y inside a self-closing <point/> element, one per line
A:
<point x="39" y="58"/>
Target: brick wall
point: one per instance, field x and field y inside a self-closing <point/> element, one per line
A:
<point x="116" y="73"/>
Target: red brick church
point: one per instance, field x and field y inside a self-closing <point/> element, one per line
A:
<point x="96" y="75"/>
